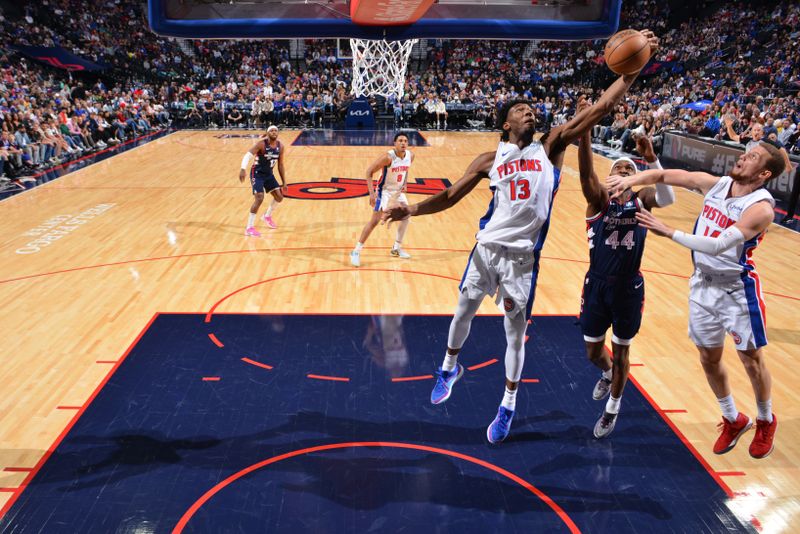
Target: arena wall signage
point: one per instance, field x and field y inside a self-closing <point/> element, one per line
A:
<point x="717" y="158"/>
<point x="55" y="56"/>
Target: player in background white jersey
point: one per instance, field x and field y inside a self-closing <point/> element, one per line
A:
<point x="725" y="291"/>
<point x="391" y="192"/>
<point x="524" y="178"/>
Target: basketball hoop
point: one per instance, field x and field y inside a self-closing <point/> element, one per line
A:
<point x="379" y="66"/>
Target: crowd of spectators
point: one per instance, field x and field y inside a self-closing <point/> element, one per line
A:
<point x="737" y="69"/>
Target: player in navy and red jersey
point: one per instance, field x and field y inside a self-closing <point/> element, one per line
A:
<point x="613" y="290"/>
<point x="267" y="152"/>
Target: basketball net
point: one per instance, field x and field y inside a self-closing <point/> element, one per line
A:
<point x="379" y="67"/>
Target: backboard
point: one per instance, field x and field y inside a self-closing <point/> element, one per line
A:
<point x="468" y="19"/>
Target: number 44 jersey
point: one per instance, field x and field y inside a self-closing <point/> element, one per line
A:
<point x="616" y="241"/>
<point x="523" y="184"/>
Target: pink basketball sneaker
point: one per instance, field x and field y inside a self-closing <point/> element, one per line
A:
<point x="252" y="232"/>
<point x="270" y="222"/>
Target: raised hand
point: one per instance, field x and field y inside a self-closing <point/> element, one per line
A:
<point x="644" y="146"/>
<point x="616" y="185"/>
<point x="653" y="40"/>
<point x="647" y="220"/>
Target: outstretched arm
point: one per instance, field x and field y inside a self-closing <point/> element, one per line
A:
<point x="755" y="220"/>
<point x="595" y="194"/>
<point x="701" y="181"/>
<point x="477" y="170"/>
<point x="561" y="137"/>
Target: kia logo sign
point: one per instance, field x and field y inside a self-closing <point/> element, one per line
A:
<point x="359" y="112"/>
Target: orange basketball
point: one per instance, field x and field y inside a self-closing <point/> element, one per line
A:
<point x="627" y="52"/>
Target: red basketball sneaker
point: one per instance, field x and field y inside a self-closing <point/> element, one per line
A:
<point x="762" y="441"/>
<point x="731" y="432"/>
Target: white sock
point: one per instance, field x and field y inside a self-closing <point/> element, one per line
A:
<point x="272" y="206"/>
<point x="359" y="246"/>
<point x="509" y="399"/>
<point x="765" y="410"/>
<point x="401" y="232"/>
<point x="396" y="245"/>
<point x="612" y="404"/>
<point x="728" y="406"/>
<point x="450" y="362"/>
<point x="251" y="220"/>
<point x="608" y="374"/>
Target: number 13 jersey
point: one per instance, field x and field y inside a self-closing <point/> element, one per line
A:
<point x="523" y="184"/>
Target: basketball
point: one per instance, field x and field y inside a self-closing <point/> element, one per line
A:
<point x="627" y="52"/>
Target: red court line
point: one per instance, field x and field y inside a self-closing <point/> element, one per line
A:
<point x="683" y="439"/>
<point x="484" y="364"/>
<point x="674" y="411"/>
<point x="636" y="365"/>
<point x="286" y="249"/>
<point x="72" y="422"/>
<point x="68" y="407"/>
<point x="18" y="469"/>
<point x="9" y="490"/>
<point x="258" y="364"/>
<point x="325" y="377"/>
<point x="678" y="433"/>
<point x="731" y="473"/>
<point x="216" y="341"/>
<point x="210" y="379"/>
<point x="293" y="275"/>
<point x="106" y="361"/>
<point x="530" y="380"/>
<point x="410" y="378"/>
<point x="187" y="516"/>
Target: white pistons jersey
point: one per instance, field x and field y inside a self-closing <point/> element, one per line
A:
<point x="524" y="183"/>
<point x="719" y="213"/>
<point x="395" y="175"/>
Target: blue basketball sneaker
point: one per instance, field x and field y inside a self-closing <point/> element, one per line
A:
<point x="444" y="383"/>
<point x="500" y="427"/>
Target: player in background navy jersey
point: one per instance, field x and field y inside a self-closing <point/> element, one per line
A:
<point x="267" y="152"/>
<point x="613" y="290"/>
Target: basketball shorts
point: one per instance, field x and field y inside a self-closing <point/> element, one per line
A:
<point x="390" y="199"/>
<point x="731" y="304"/>
<point x="495" y="270"/>
<point x="616" y="302"/>
<point x="263" y="183"/>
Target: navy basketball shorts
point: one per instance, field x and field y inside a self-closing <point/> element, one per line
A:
<point x="263" y="183"/>
<point x="616" y="302"/>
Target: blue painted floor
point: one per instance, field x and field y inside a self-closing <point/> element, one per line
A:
<point x="158" y="437"/>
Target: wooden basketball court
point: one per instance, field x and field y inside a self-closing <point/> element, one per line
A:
<point x="91" y="257"/>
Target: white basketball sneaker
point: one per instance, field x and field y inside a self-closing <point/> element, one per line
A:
<point x="400" y="253"/>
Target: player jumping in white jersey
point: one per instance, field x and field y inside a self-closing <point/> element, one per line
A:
<point x="524" y="178"/>
<point x="725" y="290"/>
<point x="391" y="192"/>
